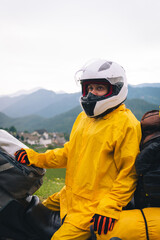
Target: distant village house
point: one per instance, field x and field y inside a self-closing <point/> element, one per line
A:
<point x="42" y="137"/>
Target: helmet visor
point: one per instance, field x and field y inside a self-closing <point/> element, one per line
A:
<point x="85" y="85"/>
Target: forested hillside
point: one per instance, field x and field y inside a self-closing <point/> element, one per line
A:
<point x="63" y="122"/>
<point x="48" y="110"/>
<point x="47" y="104"/>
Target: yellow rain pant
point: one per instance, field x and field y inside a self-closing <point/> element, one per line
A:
<point x="68" y="232"/>
<point x="131" y="225"/>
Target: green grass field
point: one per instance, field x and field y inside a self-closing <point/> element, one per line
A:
<point x="53" y="181"/>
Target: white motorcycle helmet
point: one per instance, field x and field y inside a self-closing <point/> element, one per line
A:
<point x="102" y="72"/>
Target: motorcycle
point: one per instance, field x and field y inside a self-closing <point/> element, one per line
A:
<point x="22" y="215"/>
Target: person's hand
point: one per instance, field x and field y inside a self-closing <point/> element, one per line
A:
<point x="21" y="156"/>
<point x="102" y="224"/>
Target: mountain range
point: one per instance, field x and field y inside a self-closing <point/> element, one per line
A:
<point x="44" y="103"/>
<point x="57" y="112"/>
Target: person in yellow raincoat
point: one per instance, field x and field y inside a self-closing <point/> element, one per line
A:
<point x="99" y="157"/>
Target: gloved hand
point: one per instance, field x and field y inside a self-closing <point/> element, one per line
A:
<point x="21" y="156"/>
<point x="102" y="224"/>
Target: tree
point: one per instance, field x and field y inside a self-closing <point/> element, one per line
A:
<point x="12" y="129"/>
<point x="22" y="138"/>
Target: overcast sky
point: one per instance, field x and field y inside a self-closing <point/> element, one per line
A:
<point x="44" y="42"/>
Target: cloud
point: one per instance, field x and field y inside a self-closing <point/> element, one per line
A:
<point x="44" y="42"/>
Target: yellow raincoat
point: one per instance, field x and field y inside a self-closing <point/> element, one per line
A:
<point x="99" y="161"/>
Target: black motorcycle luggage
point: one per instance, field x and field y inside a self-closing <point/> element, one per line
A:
<point x="17" y="180"/>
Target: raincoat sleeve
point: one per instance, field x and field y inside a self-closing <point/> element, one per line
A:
<point x="56" y="158"/>
<point x="125" y="151"/>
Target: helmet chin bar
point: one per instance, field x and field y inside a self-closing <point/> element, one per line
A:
<point x="89" y="108"/>
<point x="89" y="102"/>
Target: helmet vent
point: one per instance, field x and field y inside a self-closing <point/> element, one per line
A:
<point x="105" y="66"/>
